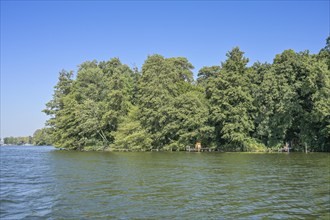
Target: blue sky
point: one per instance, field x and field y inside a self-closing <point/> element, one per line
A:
<point x="39" y="39"/>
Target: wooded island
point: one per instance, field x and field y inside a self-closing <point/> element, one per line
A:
<point x="230" y="107"/>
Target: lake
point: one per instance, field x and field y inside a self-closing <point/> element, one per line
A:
<point x="44" y="183"/>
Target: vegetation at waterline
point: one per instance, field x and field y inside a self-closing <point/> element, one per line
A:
<point x="231" y="107"/>
<point x="18" y="140"/>
<point x="41" y="137"/>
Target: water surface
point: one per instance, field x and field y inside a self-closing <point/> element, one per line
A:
<point x="40" y="182"/>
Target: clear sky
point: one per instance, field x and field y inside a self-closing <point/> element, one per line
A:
<point x="38" y="39"/>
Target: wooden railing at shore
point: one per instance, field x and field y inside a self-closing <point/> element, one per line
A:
<point x="204" y="149"/>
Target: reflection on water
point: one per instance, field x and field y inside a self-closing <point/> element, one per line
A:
<point x="39" y="182"/>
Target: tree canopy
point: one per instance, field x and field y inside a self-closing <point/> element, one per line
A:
<point x="231" y="107"/>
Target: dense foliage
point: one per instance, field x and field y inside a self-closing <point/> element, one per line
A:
<point x="230" y="107"/>
<point x="18" y="140"/>
<point x="41" y="137"/>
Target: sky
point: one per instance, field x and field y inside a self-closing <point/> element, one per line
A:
<point x="40" y="38"/>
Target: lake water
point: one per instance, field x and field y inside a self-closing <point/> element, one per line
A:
<point x="43" y="183"/>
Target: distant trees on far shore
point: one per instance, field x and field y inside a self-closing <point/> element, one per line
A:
<point x="41" y="137"/>
<point x="18" y="140"/>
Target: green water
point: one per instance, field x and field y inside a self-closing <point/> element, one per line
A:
<point x="43" y="183"/>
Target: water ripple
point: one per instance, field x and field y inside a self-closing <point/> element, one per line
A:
<point x="40" y="183"/>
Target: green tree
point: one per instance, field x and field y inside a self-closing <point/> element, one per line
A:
<point x="292" y="96"/>
<point x="18" y="140"/>
<point x="42" y="137"/>
<point x="9" y="140"/>
<point x="315" y="92"/>
<point x="186" y="121"/>
<point x="85" y="111"/>
<point x="60" y="116"/>
<point x="273" y="95"/>
<point x="161" y="82"/>
<point x="206" y="73"/>
<point x="324" y="53"/>
<point x="130" y="134"/>
<point x="231" y="103"/>
<point x="231" y="106"/>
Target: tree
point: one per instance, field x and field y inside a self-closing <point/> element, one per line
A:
<point x="18" y="140"/>
<point x="274" y="101"/>
<point x="324" y="53"/>
<point x="42" y="137"/>
<point x="187" y="121"/>
<point x="130" y="134"/>
<point x="162" y="80"/>
<point x="206" y="75"/>
<point x="315" y="91"/>
<point x="85" y="111"/>
<point x="293" y="99"/>
<point x="56" y="109"/>
<point x="62" y="89"/>
<point x="231" y="103"/>
<point x="231" y="106"/>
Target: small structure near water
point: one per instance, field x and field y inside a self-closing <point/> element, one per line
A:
<point x="198" y="148"/>
<point x="286" y="148"/>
